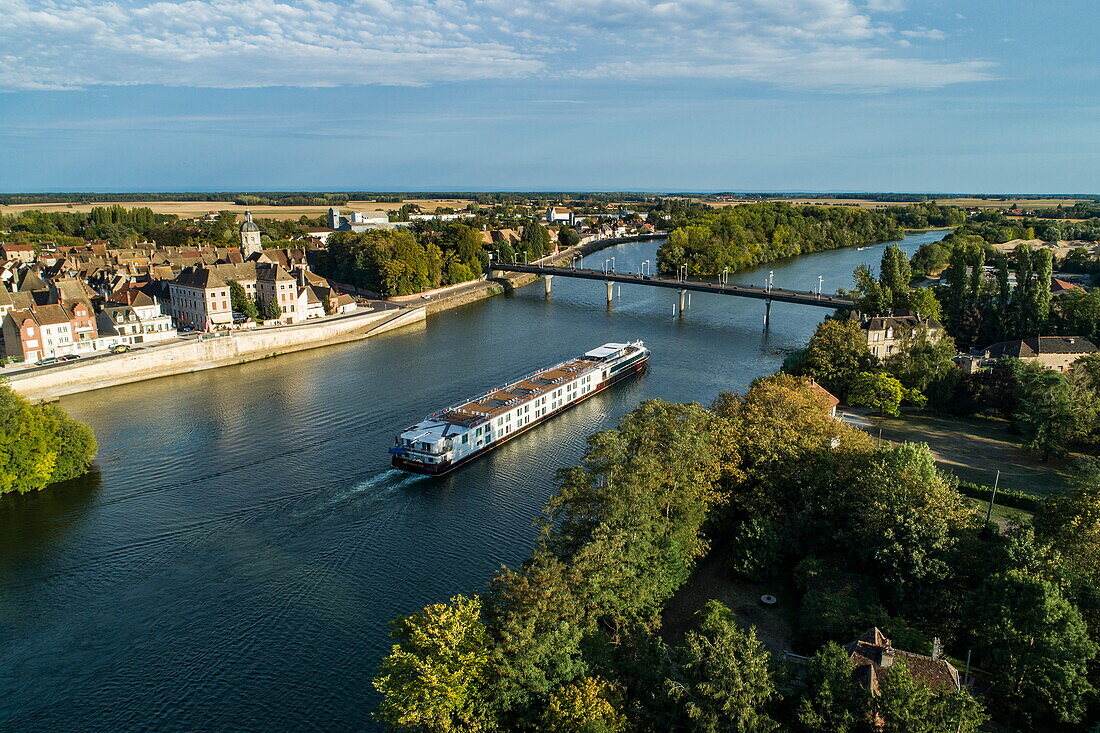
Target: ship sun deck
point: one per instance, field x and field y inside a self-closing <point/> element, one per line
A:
<point x="505" y="398"/>
<point x="451" y="436"/>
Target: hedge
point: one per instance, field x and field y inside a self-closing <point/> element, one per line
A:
<point x="1005" y="497"/>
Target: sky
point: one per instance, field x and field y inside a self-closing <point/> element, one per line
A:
<point x="550" y="95"/>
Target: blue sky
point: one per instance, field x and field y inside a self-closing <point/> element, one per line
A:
<point x="675" y="95"/>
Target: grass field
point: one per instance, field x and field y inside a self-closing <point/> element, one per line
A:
<point x="974" y="449"/>
<point x="190" y="209"/>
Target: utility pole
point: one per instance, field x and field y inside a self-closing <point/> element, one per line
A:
<point x="989" y="513"/>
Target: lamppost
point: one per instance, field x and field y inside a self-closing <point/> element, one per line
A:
<point x="725" y="276"/>
<point x="771" y="279"/>
<point x="613" y="264"/>
<point x="644" y="263"/>
<point x="682" y="271"/>
<point x="819" y="281"/>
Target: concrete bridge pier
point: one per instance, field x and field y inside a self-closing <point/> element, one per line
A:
<point x="683" y="300"/>
<point x="610" y="292"/>
<point x="548" y="280"/>
<point x="767" y="315"/>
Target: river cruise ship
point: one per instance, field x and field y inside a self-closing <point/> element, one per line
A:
<point x="452" y="437"/>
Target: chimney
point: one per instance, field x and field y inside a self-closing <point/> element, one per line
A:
<point x="937" y="648"/>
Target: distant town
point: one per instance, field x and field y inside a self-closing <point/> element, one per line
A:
<point x="60" y="302"/>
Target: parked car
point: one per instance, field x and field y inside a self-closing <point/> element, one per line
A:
<point x="119" y="349"/>
<point x="69" y="357"/>
<point x="48" y="360"/>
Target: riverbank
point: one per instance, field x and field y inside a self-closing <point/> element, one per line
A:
<point x="207" y="351"/>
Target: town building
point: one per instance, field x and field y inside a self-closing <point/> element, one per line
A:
<point x="18" y="252"/>
<point x="559" y="215"/>
<point x="200" y="299"/>
<point x="133" y="317"/>
<point x="250" y="237"/>
<point x="872" y="655"/>
<point x="44" y="331"/>
<point x="357" y="221"/>
<point x="885" y="333"/>
<point x="1053" y="352"/>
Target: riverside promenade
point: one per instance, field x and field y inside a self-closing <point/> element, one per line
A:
<point x="206" y="351"/>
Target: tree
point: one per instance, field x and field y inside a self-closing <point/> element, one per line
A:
<point x="434" y="677"/>
<point x="722" y="681"/>
<point x="911" y="517"/>
<point x="241" y="303"/>
<point x="74" y="442"/>
<point x="881" y="392"/>
<point x="630" y="519"/>
<point x="40" y="445"/>
<point x="272" y="311"/>
<point x="925" y="363"/>
<point x="832" y="702"/>
<point x="537" y="618"/>
<point x="1045" y="413"/>
<point x="568" y="237"/>
<point x="836" y="353"/>
<point x="535" y="240"/>
<point x="1035" y="643"/>
<point x="895" y="275"/>
<point x="589" y="705"/>
<point x="924" y="303"/>
<point x="1067" y="533"/>
<point x="908" y="705"/>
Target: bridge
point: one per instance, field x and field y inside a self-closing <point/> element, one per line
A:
<point x="766" y="293"/>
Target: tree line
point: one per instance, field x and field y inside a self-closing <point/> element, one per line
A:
<point x="40" y="444"/>
<point x="740" y="237"/>
<point x="428" y="255"/>
<point x="772" y="487"/>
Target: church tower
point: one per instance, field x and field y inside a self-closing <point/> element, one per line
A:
<point x="250" y="236"/>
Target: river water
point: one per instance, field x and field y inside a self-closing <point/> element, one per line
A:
<point x="235" y="558"/>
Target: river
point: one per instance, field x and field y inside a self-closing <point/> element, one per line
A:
<point x="236" y="556"/>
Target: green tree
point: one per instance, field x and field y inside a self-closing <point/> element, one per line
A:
<point x="895" y="275"/>
<point x="434" y="677"/>
<point x="39" y="445"/>
<point x="272" y="311"/>
<point x="589" y="705"/>
<point x="1036" y="645"/>
<point x="881" y="392"/>
<point x="1046" y="412"/>
<point x="1067" y="542"/>
<point x="912" y="516"/>
<point x="925" y="363"/>
<point x="568" y="237"/>
<point x="241" y="303"/>
<point x="836" y="354"/>
<point x="908" y="705"/>
<point x="924" y="303"/>
<point x="538" y="620"/>
<point x="832" y="702"/>
<point x="722" y="682"/>
<point x="74" y="442"/>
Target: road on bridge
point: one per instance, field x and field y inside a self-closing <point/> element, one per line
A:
<point x="779" y="295"/>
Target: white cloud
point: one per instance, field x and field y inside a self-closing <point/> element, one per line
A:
<point x="926" y="34"/>
<point x="833" y="44"/>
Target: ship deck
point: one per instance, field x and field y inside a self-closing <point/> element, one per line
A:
<point x="505" y="398"/>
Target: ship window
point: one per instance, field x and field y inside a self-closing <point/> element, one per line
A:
<point x="465" y="438"/>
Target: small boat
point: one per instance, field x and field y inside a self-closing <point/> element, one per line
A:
<point x="452" y="437"/>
